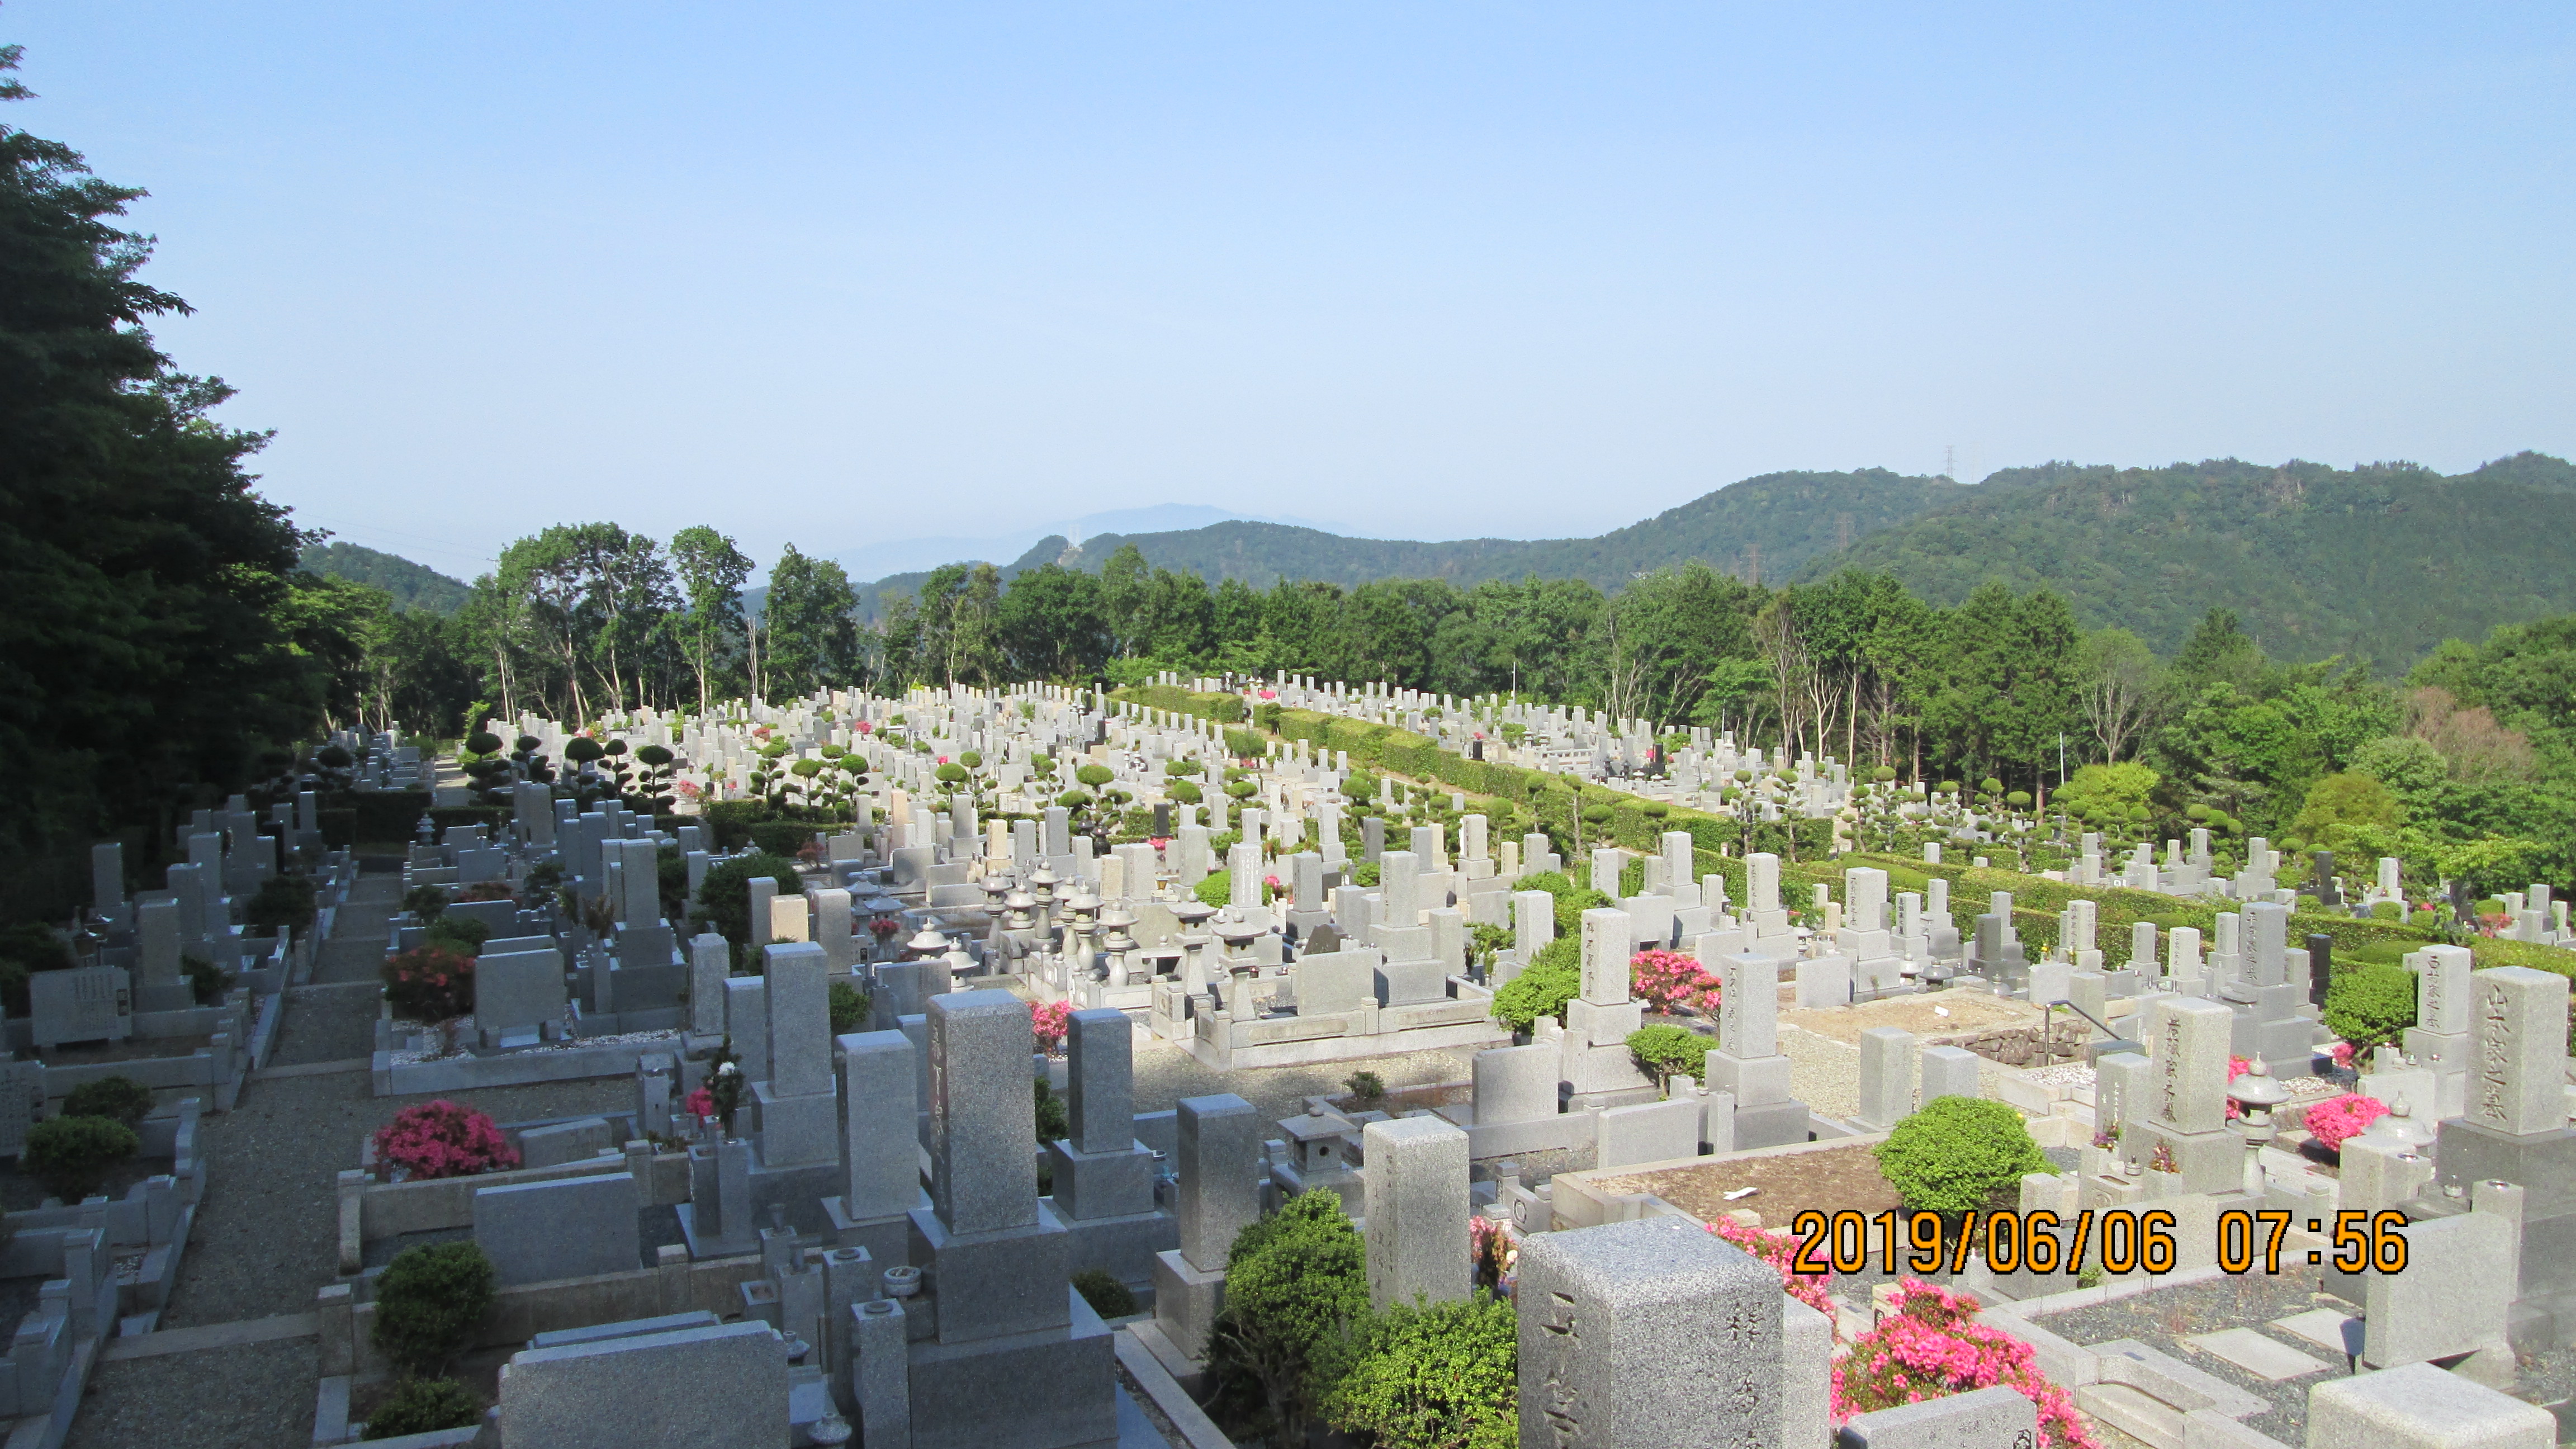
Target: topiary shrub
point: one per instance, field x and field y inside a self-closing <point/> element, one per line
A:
<point x="1445" y="1376"/>
<point x="464" y="934"/>
<point x="430" y="1303"/>
<point x="781" y="838"/>
<point x="74" y="1155"/>
<point x="1956" y="1153"/>
<point x="724" y="897"/>
<point x="1184" y="792"/>
<point x="2370" y="1005"/>
<point x="442" y="1139"/>
<point x="282" y="900"/>
<point x="207" y="982"/>
<point x="424" y="1406"/>
<point x="1670" y="1051"/>
<point x="1543" y="986"/>
<point x="1295" y="1283"/>
<point x="425" y="903"/>
<point x="429" y="983"/>
<point x="120" y="1099"/>
<point x="1107" y="1296"/>
<point x="849" y="1007"/>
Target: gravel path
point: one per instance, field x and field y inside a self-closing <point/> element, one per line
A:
<point x="258" y="1396"/>
<point x="1824" y="1074"/>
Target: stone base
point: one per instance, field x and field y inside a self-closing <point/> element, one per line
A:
<point x="2544" y="1163"/>
<point x="1755" y="1081"/>
<point x="1466" y="1037"/>
<point x="1771" y="1124"/>
<point x="995" y="1284"/>
<point x="2208" y="1161"/>
<point x="1537" y="1134"/>
<point x="1124" y="1246"/>
<point x="887" y="1238"/>
<point x="1186" y="1303"/>
<point x="711" y="1245"/>
<point x="1053" y="1388"/>
<point x="1101" y="1184"/>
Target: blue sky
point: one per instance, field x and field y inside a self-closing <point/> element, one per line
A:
<point x="839" y="273"/>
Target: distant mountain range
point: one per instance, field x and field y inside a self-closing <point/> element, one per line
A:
<point x="2378" y="561"/>
<point x="921" y="555"/>
<point x="1767" y="527"/>
<point x="414" y="586"/>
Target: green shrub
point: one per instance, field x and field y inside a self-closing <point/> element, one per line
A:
<point x="1295" y="1284"/>
<point x="1956" y="1153"/>
<point x="425" y="903"/>
<point x="120" y="1099"/>
<point x="1052" y="1124"/>
<point x="25" y="948"/>
<point x="724" y="897"/>
<point x="282" y="900"/>
<point x="206" y="981"/>
<point x="430" y="1303"/>
<point x="1670" y="1051"/>
<point x="2371" y="1004"/>
<point x="1184" y="792"/>
<point x="1543" y="986"/>
<point x="1571" y="900"/>
<point x="74" y="1155"/>
<point x="1364" y="873"/>
<point x="1107" y="1296"/>
<point x="781" y="838"/>
<point x="1442" y="1377"/>
<point x="849" y="1008"/>
<point x="424" y="1406"/>
<point x="464" y="933"/>
<point x="1368" y="1088"/>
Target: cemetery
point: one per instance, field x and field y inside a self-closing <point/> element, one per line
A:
<point x="959" y="1090"/>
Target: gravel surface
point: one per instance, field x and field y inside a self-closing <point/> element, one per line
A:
<point x="258" y="1396"/>
<point x="267" y="1234"/>
<point x="334" y="1023"/>
<point x="1165" y="1074"/>
<point x="1823" y="1073"/>
<point x="2164" y="1317"/>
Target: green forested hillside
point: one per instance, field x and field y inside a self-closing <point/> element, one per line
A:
<point x="1762" y="528"/>
<point x="2383" y="561"/>
<point x="413" y="586"/>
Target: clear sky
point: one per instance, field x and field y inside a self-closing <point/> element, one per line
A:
<point x="831" y="273"/>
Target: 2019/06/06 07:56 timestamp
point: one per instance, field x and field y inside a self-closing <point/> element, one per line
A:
<point x="2118" y="1240"/>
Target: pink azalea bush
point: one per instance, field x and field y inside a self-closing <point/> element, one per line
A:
<point x="1666" y="980"/>
<point x="2334" y="1122"/>
<point x="1813" y="1289"/>
<point x="442" y="1139"/>
<point x="1931" y="1347"/>
<point x="700" y="1103"/>
<point x="1050" y="1020"/>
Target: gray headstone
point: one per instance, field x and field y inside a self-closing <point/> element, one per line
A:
<point x="1217" y="1138"/>
<point x="1989" y="1418"/>
<point x="983" y="1139"/>
<point x="518" y="988"/>
<point x="574" y="1227"/>
<point x="2517" y="1084"/>
<point x="1100" y="1107"/>
<point x="1416" y="1186"/>
<point x="709" y="1388"/>
<point x="85" y="1003"/>
<point x="1652" y="1334"/>
<point x="1948" y="1071"/>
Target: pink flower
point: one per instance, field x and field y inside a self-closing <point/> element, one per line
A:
<point x="700" y="1103"/>
<point x="866" y="728"/>
<point x="442" y="1139"/>
<point x="2334" y="1122"/>
<point x="1269" y="694"/>
<point x="1930" y="1347"/>
<point x="1813" y="1289"/>
<point x="1050" y="1020"/>
<point x="1665" y="980"/>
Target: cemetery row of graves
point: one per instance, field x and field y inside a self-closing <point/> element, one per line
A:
<point x="1771" y="1100"/>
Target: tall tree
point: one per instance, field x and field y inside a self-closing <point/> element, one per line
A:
<point x="711" y="574"/>
<point x="2118" y="681"/>
<point x="811" y="620"/>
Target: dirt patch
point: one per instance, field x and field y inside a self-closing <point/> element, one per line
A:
<point x="1399" y="1100"/>
<point x="1923" y="1015"/>
<point x="1830" y="1180"/>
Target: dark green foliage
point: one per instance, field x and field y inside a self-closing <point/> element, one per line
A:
<point x="1956" y="1154"/>
<point x="27" y="947"/>
<point x="1670" y="1051"/>
<point x="1107" y="1296"/>
<point x="1543" y="986"/>
<point x="1366" y="1088"/>
<point x="1442" y="1377"/>
<point x="282" y="900"/>
<point x="1571" y="900"/>
<point x="1051" y="1122"/>
<point x="782" y="838"/>
<point x="207" y="982"/>
<point x="724" y="897"/>
<point x="74" y="1155"/>
<point x="410" y="585"/>
<point x="461" y="932"/>
<point x="2371" y="1004"/>
<point x="424" y="1406"/>
<point x="430" y="1303"/>
<point x="426" y="903"/>
<point x="1296" y="1283"/>
<point x="849" y="1008"/>
<point x="120" y="1099"/>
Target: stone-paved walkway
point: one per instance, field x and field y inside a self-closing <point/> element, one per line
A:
<point x="267" y="1234"/>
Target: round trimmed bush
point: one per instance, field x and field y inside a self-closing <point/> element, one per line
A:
<point x="1442" y="1376"/>
<point x="424" y="1406"/>
<point x="1107" y="1296"/>
<point x="1184" y="792"/>
<point x="1956" y="1154"/>
<point x="1670" y="1051"/>
<point x="430" y="982"/>
<point x="429" y="1304"/>
<point x="74" y="1155"/>
<point x="1543" y="987"/>
<point x="464" y="933"/>
<point x="724" y="897"/>
<point x="781" y="838"/>
<point x="2370" y="1005"/>
<point x="120" y="1099"/>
